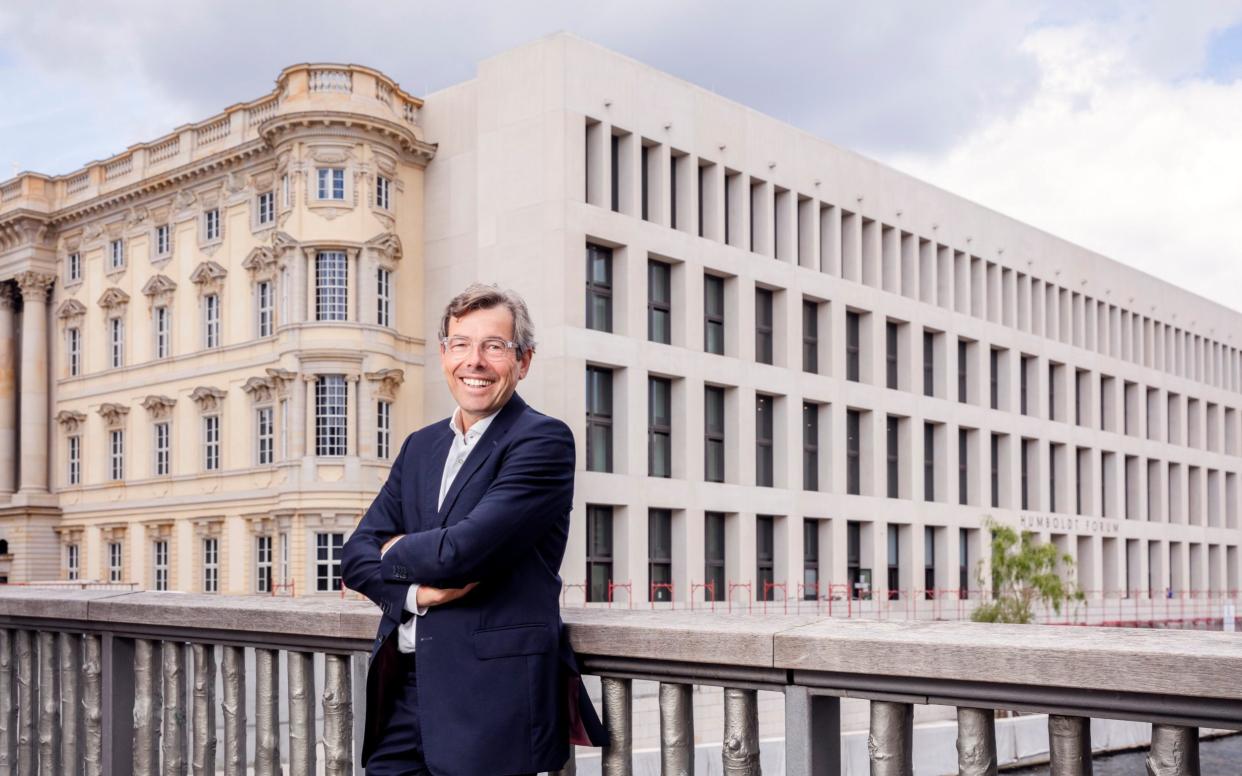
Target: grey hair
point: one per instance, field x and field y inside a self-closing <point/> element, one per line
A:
<point x="482" y="296"/>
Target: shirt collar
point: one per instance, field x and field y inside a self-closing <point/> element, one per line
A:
<point x="476" y="430"/>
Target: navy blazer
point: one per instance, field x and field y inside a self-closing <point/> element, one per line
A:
<point x="495" y="672"/>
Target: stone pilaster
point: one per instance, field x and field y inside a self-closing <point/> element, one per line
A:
<point x="34" y="382"/>
<point x="8" y="393"/>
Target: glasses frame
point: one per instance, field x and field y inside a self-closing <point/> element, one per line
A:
<point x="474" y="345"/>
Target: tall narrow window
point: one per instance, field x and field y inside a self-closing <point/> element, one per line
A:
<point x="73" y="350"/>
<point x="115" y="562"/>
<point x="929" y="562"/>
<point x="929" y="363"/>
<point x="383" y="192"/>
<point x="163" y="240"/>
<point x="672" y="191"/>
<point x="116" y="455"/>
<point x="383" y="297"/>
<point x="643" y="182"/>
<point x="162" y="326"/>
<point x="599" y="419"/>
<point x="75" y="266"/>
<point x="763" y="440"/>
<point x="599" y="552"/>
<point x="331" y="286"/>
<point x="851" y="346"/>
<point x="858" y="582"/>
<point x="331" y="404"/>
<point x="1023" y="379"/>
<point x="714" y="556"/>
<point x="713" y="314"/>
<point x="328" y="561"/>
<point x="714" y="434"/>
<point x="893" y="534"/>
<point x="810" y="336"/>
<point x="331" y="182"/>
<point x="963" y="369"/>
<point x="995" y="470"/>
<point x="963" y="563"/>
<point x="994" y="379"/>
<point x="1024" y="465"/>
<point x="929" y="462"/>
<point x="265" y="436"/>
<point x="765" y="558"/>
<point x="162" y="449"/>
<point x="810" y="446"/>
<point x="161" y="564"/>
<point x="614" y="158"/>
<point x="263" y="299"/>
<point x="263" y="564"/>
<point x="211" y="224"/>
<point x="211" y="321"/>
<point x="73" y="561"/>
<point x="116" y="254"/>
<point x="810" y="560"/>
<point x="659" y="302"/>
<point x="211" y="442"/>
<point x="116" y="342"/>
<point x="963" y="470"/>
<point x="383" y="429"/>
<point x="266" y="206"/>
<point x="659" y="427"/>
<point x="853" y="464"/>
<point x="211" y="565"/>
<point x="763" y="326"/>
<point x="599" y="288"/>
<point x="660" y="554"/>
<point x="74" y="474"/>
<point x="890" y="355"/>
<point x="893" y="457"/>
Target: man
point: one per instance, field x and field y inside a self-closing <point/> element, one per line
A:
<point x="471" y="674"/>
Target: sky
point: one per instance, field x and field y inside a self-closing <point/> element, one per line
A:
<point x="1113" y="124"/>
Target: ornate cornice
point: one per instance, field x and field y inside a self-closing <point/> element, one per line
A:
<point x="387" y="245"/>
<point x="259" y="389"/>
<point x="208" y="398"/>
<point x="70" y="420"/>
<point x="208" y="276"/>
<point x="70" y="309"/>
<point x="113" y="298"/>
<point x="280" y="379"/>
<point x="159" y="285"/>
<point x="159" y="407"/>
<point x="388" y="381"/>
<point x="261" y="263"/>
<point x="333" y="123"/>
<point x="113" y="413"/>
<point x="22" y="228"/>
<point x="34" y="285"/>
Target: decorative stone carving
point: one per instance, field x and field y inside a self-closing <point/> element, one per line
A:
<point x="259" y="389"/>
<point x="387" y="382"/>
<point x="136" y="218"/>
<point x="208" y="398"/>
<point x="34" y="285"/>
<point x="261" y="263"/>
<point x="281" y="242"/>
<point x="113" y="413"/>
<point x="159" y="289"/>
<point x="209" y="277"/>
<point x="8" y="296"/>
<point x="159" y="407"/>
<point x="70" y="420"/>
<point x="280" y="379"/>
<point x="70" y="309"/>
<point x="183" y="202"/>
<point x="113" y="299"/>
<point x="386" y="245"/>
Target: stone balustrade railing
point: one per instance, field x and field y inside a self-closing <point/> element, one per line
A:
<point x="107" y="682"/>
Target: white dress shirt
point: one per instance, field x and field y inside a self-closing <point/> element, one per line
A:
<point x="459" y="450"/>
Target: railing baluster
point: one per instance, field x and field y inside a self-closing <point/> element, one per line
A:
<point x="92" y="703"/>
<point x="147" y="705"/>
<point x="234" y="670"/>
<point x="301" y="667"/>
<point x="976" y="742"/>
<point x="49" y="704"/>
<point x="69" y="647"/>
<point x="8" y="708"/>
<point x="338" y="717"/>
<point x="1069" y="746"/>
<point x="203" y="748"/>
<point x="891" y="740"/>
<point x="1174" y="751"/>
<point x="740" y="753"/>
<point x="618" y="718"/>
<point x="173" y="659"/>
<point x="266" y="719"/>
<point x="676" y="729"/>
<point x="25" y="704"/>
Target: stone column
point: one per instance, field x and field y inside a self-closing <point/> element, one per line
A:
<point x="353" y="421"/>
<point x="34" y="384"/>
<point x="308" y="419"/>
<point x="8" y="393"/>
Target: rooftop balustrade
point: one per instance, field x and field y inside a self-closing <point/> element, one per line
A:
<point x="113" y="682"/>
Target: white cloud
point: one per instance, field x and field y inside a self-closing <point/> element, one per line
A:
<point x="1113" y="156"/>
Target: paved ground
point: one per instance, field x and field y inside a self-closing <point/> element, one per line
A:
<point x="1217" y="756"/>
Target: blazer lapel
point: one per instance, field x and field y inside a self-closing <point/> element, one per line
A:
<point x="433" y="472"/>
<point x="482" y="450"/>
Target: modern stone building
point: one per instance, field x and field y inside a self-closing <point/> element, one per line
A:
<point x="791" y="370"/>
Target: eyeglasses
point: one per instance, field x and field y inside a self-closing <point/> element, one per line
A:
<point x="494" y="348"/>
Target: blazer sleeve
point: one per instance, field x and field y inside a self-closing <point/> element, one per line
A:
<point x="533" y="489"/>
<point x="360" y="557"/>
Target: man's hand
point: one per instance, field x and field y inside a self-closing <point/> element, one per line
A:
<point x="390" y="543"/>
<point x="435" y="596"/>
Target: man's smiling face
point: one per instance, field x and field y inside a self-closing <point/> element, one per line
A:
<point x="479" y="385"/>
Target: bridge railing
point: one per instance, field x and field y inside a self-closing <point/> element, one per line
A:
<point x="106" y="682"/>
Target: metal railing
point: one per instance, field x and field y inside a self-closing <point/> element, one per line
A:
<point x="106" y="682"/>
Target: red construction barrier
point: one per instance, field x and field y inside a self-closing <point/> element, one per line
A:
<point x="278" y="586"/>
<point x="629" y="592"/>
<point x="565" y="588"/>
<point x="770" y="588"/>
<point x="706" y="587"/>
<point x="656" y="587"/>
<point x="749" y="595"/>
<point x="802" y="589"/>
